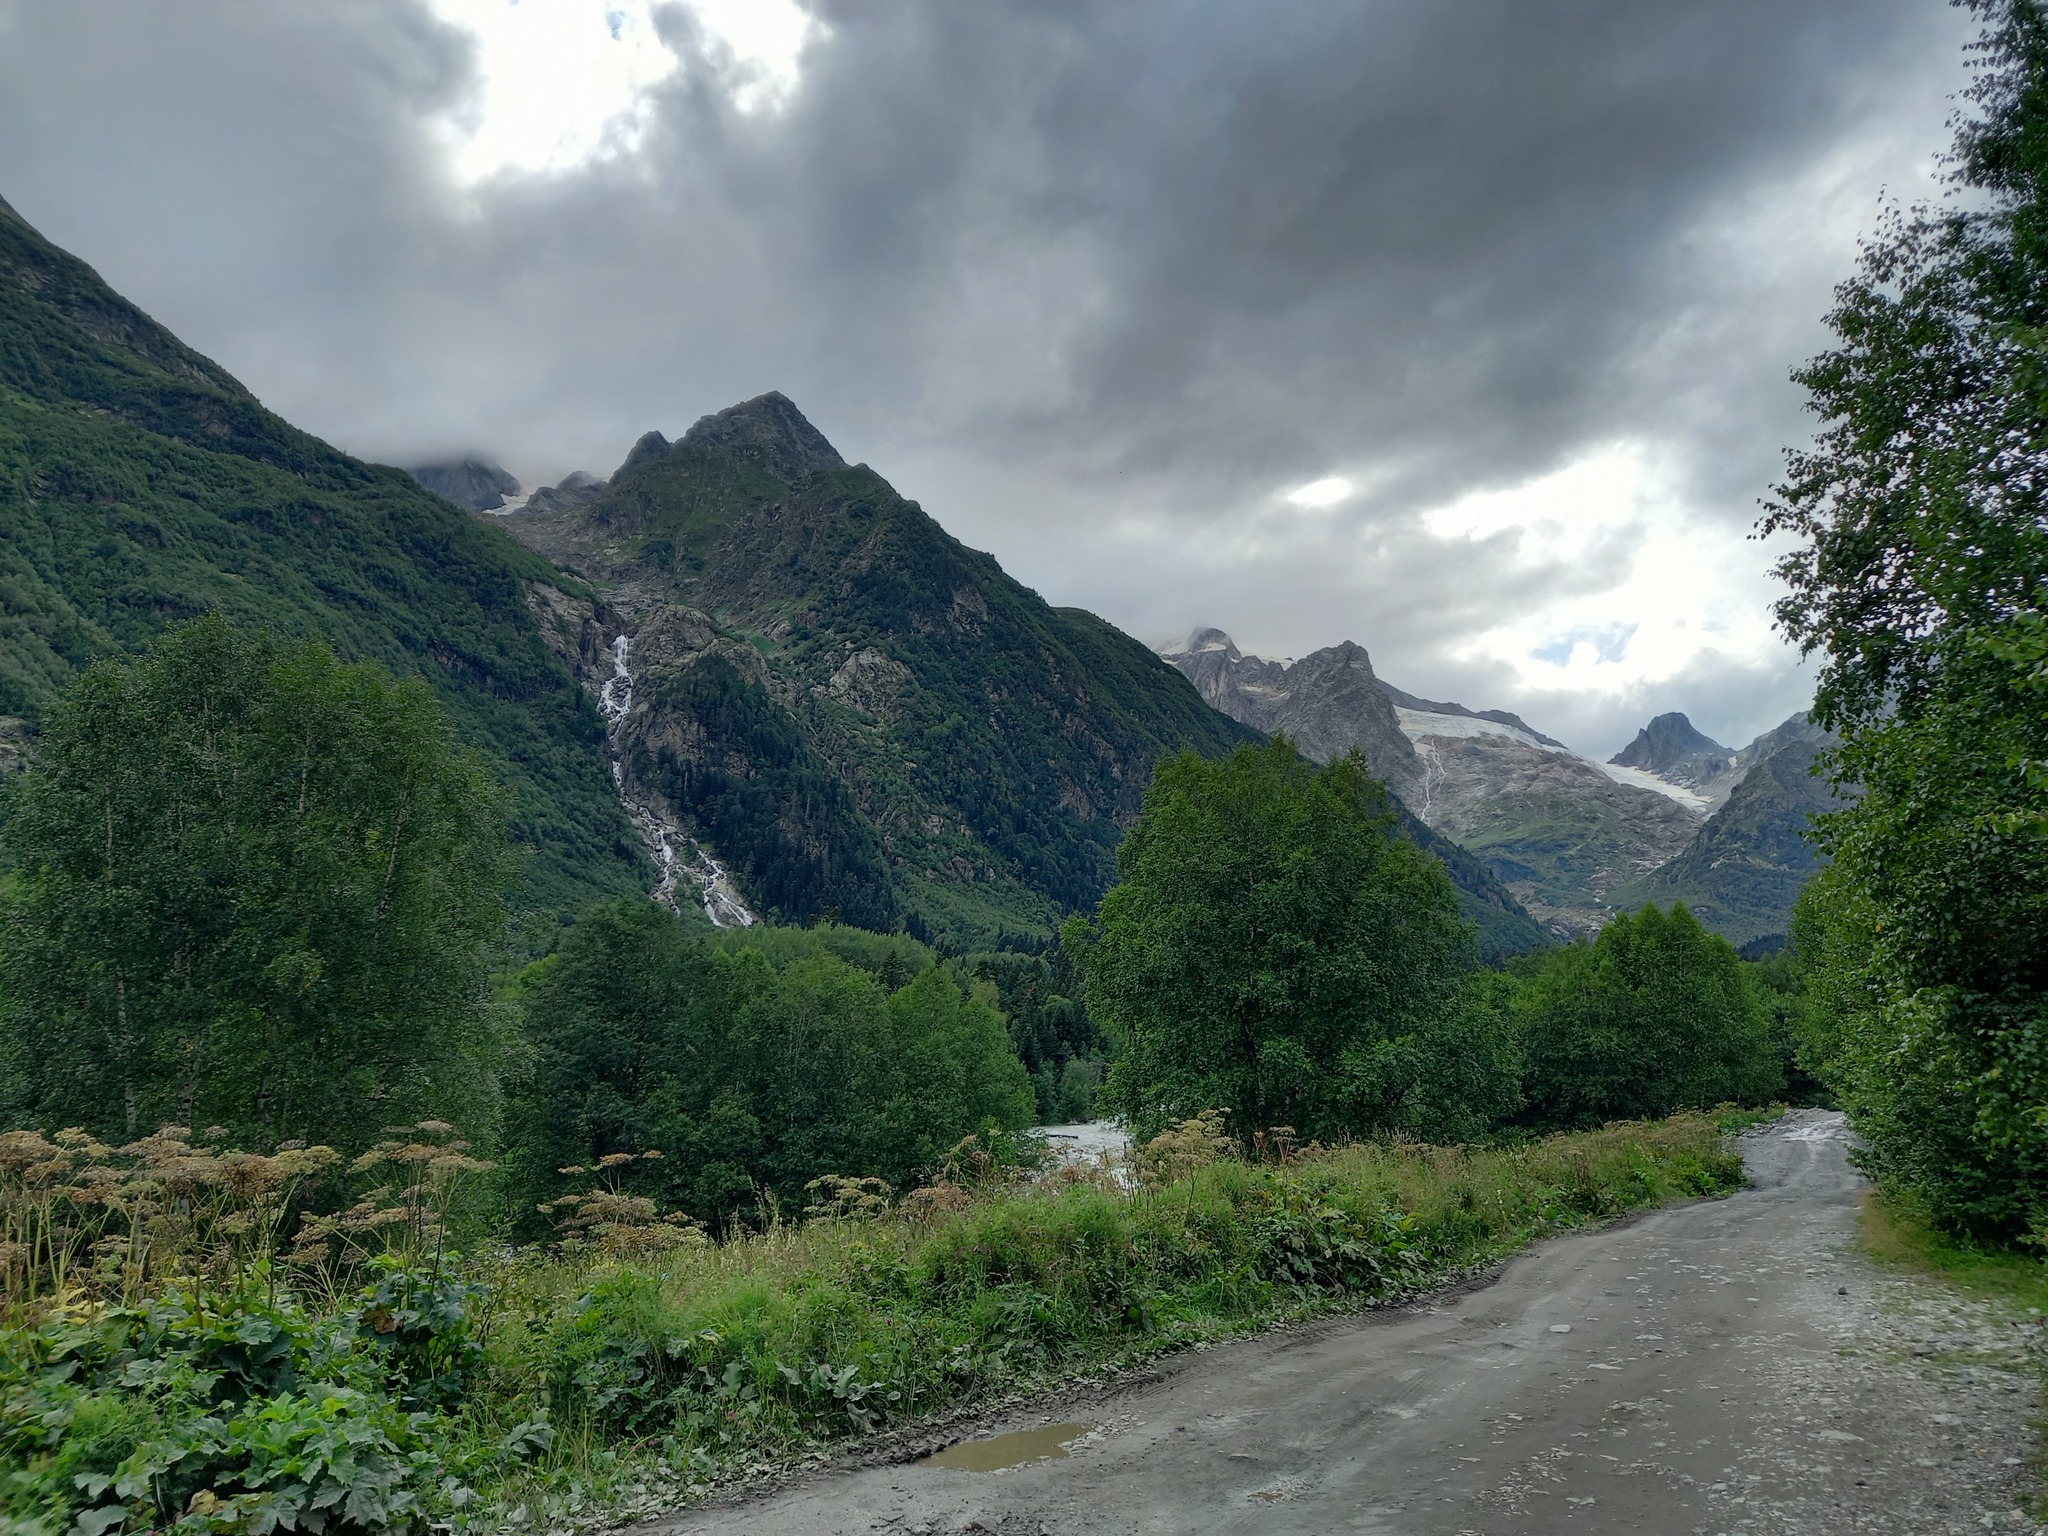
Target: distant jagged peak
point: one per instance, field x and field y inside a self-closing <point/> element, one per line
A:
<point x="1200" y="641"/>
<point x="472" y="482"/>
<point x="574" y="490"/>
<point x="1669" y="741"/>
<point x="770" y="430"/>
<point x="1345" y="655"/>
<point x="1796" y="731"/>
<point x="651" y="445"/>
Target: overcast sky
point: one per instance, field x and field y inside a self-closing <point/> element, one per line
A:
<point x="1458" y="329"/>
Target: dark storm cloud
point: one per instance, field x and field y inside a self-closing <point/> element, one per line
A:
<point x="1094" y="281"/>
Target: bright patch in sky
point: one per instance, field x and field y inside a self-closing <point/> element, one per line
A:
<point x="1322" y="493"/>
<point x="1645" y="584"/>
<point x="563" y="82"/>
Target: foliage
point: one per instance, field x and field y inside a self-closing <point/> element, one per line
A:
<point x="1922" y="575"/>
<point x="255" y="888"/>
<point x="593" y="1378"/>
<point x="142" y="487"/>
<point x="1655" y="1015"/>
<point x="1504" y="926"/>
<point x="1271" y="947"/>
<point x="76" y="1214"/>
<point x="752" y="1081"/>
<point x="891" y="958"/>
<point x="1778" y="979"/>
<point x="1895" y="1230"/>
<point x="1049" y="1029"/>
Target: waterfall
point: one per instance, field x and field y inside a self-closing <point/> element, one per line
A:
<point x="1432" y="779"/>
<point x="721" y="898"/>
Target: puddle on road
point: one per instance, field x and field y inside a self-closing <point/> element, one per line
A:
<point x="1011" y="1450"/>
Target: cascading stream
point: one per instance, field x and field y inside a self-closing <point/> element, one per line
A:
<point x="721" y="898"/>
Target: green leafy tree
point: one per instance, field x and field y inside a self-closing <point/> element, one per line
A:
<point x="1922" y="578"/>
<point x="751" y="1078"/>
<point x="254" y="888"/>
<point x="1653" y="1016"/>
<point x="1271" y="947"/>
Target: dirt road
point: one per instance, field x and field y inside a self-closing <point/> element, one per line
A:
<point x="1728" y="1366"/>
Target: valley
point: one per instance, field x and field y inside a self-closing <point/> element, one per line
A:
<point x="685" y="996"/>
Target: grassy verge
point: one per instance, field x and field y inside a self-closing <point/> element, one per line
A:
<point x="1894" y="1232"/>
<point x="543" y="1391"/>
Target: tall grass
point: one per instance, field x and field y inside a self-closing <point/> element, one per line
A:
<point x="550" y="1387"/>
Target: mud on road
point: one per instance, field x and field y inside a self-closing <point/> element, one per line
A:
<point x="1731" y="1366"/>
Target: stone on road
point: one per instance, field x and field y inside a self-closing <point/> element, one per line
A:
<point x="1728" y="1366"/>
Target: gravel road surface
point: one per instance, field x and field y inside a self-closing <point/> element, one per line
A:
<point x="1730" y="1366"/>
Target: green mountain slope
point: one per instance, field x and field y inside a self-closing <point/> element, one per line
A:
<point x="861" y="714"/>
<point x="140" y="484"/>
<point x="1743" y="872"/>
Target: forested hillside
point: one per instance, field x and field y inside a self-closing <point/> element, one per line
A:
<point x="865" y="717"/>
<point x="141" y="485"/>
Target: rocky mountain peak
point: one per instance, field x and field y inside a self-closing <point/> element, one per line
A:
<point x="1669" y="742"/>
<point x="770" y="430"/>
<point x="475" y="484"/>
<point x="576" y="490"/>
<point x="1327" y="702"/>
<point x="1205" y="640"/>
<point x="650" y="445"/>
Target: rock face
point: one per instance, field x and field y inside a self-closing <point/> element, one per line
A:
<point x="1561" y="833"/>
<point x="475" y="485"/>
<point x="1743" y="872"/>
<point x="576" y="490"/>
<point x="1675" y="752"/>
<point x="1327" y="702"/>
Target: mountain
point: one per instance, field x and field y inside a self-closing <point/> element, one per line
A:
<point x="140" y="484"/>
<point x="1743" y="872"/>
<point x="574" y="491"/>
<point x="1675" y="816"/>
<point x="475" y="485"/>
<point x="1515" y="723"/>
<point x="850" y="709"/>
<point x="1327" y="702"/>
<point x="1673" y="751"/>
<point x="1559" y="831"/>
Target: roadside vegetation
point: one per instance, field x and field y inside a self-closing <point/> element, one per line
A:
<point x="164" y="1368"/>
<point x="1897" y="1231"/>
<point x="1921" y="580"/>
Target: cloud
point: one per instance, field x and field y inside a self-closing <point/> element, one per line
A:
<point x="1103" y="283"/>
